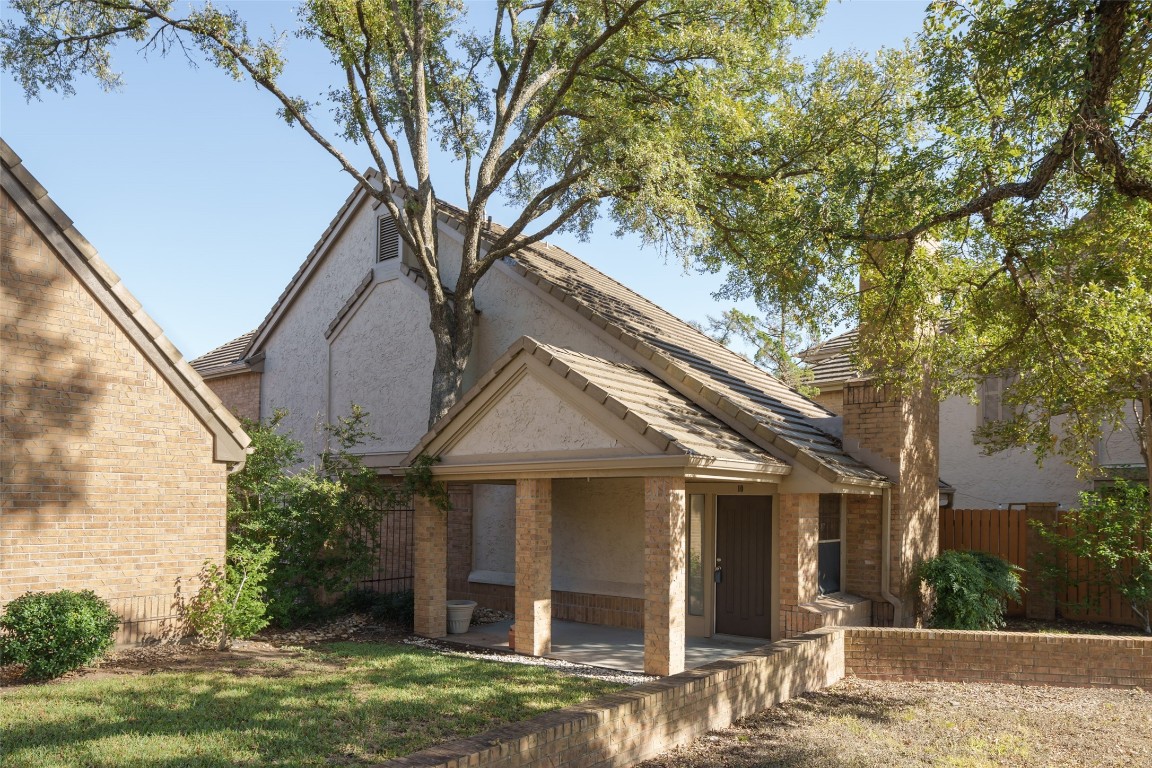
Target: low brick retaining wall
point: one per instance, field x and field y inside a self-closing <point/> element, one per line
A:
<point x="625" y="728"/>
<point x="998" y="657"/>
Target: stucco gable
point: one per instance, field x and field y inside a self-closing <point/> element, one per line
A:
<point x="120" y="306"/>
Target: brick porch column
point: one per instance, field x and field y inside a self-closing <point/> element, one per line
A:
<point x="534" y="567"/>
<point x="664" y="565"/>
<point x="799" y="557"/>
<point x="430" y="569"/>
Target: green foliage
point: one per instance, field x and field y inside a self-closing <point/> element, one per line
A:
<point x="231" y="601"/>
<point x="1112" y="529"/>
<point x="322" y="520"/>
<point x="395" y="607"/>
<point x="52" y="633"/>
<point x="775" y="346"/>
<point x="969" y="589"/>
<point x="418" y="481"/>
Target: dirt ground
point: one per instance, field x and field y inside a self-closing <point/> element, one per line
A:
<point x="868" y="723"/>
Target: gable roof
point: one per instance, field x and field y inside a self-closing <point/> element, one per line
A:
<point x="225" y="359"/>
<point x="626" y="398"/>
<point x="121" y="306"/>
<point x="731" y="388"/>
<point x="830" y="361"/>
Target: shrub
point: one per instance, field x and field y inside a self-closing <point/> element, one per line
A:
<point x="52" y="633"/>
<point x="1112" y="529"/>
<point x="970" y="589"/>
<point x="230" y="603"/>
<point x="399" y="607"/>
<point x="321" y="520"/>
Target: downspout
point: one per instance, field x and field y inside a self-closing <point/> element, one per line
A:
<point x="886" y="558"/>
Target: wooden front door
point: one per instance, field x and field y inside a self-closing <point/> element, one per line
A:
<point x="744" y="552"/>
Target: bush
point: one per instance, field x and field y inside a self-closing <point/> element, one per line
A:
<point x="52" y="633"/>
<point x="398" y="607"/>
<point x="230" y="603"/>
<point x="970" y="589"/>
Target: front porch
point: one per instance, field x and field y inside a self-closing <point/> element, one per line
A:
<point x="611" y="647"/>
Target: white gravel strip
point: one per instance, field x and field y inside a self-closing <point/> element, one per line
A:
<point x="560" y="665"/>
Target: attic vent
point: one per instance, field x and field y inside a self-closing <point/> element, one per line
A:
<point x="387" y="239"/>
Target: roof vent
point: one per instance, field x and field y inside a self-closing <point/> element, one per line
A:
<point x="387" y="239"/>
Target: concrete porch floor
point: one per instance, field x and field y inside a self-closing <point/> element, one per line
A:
<point x="610" y="647"/>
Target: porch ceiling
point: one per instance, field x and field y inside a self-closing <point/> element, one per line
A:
<point x="551" y="412"/>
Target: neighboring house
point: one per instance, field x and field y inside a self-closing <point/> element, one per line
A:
<point x="981" y="481"/>
<point x="114" y="453"/>
<point x="608" y="462"/>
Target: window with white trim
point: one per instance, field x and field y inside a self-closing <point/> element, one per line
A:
<point x="992" y="406"/>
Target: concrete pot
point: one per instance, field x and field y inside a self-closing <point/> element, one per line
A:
<point x="460" y="615"/>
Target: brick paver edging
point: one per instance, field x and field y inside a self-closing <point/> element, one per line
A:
<point x="625" y="728"/>
<point x="998" y="657"/>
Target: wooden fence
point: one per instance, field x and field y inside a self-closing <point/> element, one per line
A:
<point x="1006" y="533"/>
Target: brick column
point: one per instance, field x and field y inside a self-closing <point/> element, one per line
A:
<point x="798" y="557"/>
<point x="1039" y="597"/>
<point x="430" y="569"/>
<point x="664" y="565"/>
<point x="533" y="567"/>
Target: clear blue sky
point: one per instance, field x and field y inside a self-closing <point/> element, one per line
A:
<point x="205" y="203"/>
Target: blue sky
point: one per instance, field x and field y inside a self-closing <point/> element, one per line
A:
<point x="205" y="203"/>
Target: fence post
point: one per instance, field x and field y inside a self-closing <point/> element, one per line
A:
<point x="1041" y="602"/>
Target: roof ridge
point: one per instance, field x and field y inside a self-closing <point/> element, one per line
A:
<point x="110" y="292"/>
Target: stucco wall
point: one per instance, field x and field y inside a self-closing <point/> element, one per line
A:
<point x="378" y="357"/>
<point x="107" y="477"/>
<point x="597" y="535"/>
<point x="1005" y="477"/>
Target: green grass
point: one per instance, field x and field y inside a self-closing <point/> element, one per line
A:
<point x="347" y="704"/>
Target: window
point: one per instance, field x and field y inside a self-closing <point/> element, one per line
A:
<point x="696" y="554"/>
<point x="387" y="239"/>
<point x="992" y="407"/>
<point x="828" y="559"/>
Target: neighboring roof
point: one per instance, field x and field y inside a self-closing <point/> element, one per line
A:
<point x="731" y="388"/>
<point x="627" y="395"/>
<point x="225" y="359"/>
<point x="845" y="343"/>
<point x="121" y="306"/>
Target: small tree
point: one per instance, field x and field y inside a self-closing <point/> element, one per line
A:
<point x="231" y="601"/>
<point x="1112" y="529"/>
<point x="322" y="521"/>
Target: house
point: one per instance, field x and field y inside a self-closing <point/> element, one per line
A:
<point x="608" y="462"/>
<point x="113" y="452"/>
<point x="982" y="481"/>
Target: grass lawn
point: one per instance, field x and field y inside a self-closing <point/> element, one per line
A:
<point x="343" y="704"/>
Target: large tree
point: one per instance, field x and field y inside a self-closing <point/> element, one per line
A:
<point x="560" y="107"/>
<point x="993" y="179"/>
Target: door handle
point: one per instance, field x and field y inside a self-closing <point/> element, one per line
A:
<point x="718" y="574"/>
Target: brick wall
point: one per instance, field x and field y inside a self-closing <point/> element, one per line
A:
<point x="108" y="480"/>
<point x="642" y="722"/>
<point x="902" y="432"/>
<point x="998" y="657"/>
<point x="240" y="393"/>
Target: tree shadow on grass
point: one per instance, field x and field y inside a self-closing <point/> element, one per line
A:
<point x="385" y="702"/>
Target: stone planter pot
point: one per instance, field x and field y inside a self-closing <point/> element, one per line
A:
<point x="460" y="615"/>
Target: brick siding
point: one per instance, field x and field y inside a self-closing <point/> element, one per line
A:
<point x="240" y="393"/>
<point x="107" y="478"/>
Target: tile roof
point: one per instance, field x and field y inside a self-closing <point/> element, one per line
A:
<point x="643" y="402"/>
<point x="226" y="358"/>
<point x="738" y="391"/>
<point x="730" y="387"/>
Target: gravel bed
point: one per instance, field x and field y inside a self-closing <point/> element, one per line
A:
<point x="508" y="657"/>
<point x="871" y="723"/>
